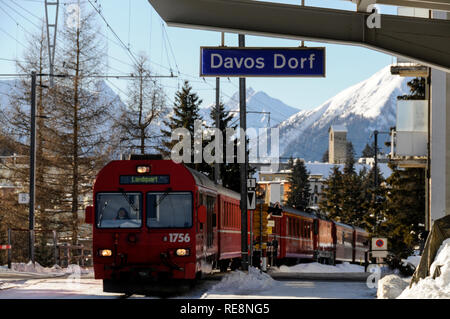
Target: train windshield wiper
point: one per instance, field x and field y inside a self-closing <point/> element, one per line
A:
<point x="163" y="196"/>
<point x="124" y="194"/>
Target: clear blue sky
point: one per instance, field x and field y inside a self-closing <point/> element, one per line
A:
<point x="138" y="25"/>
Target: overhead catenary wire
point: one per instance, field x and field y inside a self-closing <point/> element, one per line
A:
<point x="21" y="15"/>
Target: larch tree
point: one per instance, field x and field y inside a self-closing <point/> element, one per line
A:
<point x="81" y="120"/>
<point x="146" y="105"/>
<point x="16" y="124"/>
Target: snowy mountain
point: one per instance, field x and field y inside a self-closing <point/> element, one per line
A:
<point x="257" y="102"/>
<point x="367" y="106"/>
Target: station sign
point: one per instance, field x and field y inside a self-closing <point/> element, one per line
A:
<point x="262" y="62"/>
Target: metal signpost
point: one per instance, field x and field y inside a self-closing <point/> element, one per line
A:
<point x="245" y="62"/>
<point x="267" y="62"/>
<point x="251" y="193"/>
<point x="379" y="247"/>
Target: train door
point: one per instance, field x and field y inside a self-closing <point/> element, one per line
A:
<point x="211" y="221"/>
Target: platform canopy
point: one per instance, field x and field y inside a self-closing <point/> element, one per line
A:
<point x="425" y="41"/>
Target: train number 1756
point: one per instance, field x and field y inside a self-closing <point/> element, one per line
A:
<point x="179" y="237"/>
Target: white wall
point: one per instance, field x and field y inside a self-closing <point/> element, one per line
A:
<point x="440" y="140"/>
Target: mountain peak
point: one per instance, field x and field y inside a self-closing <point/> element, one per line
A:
<point x="364" y="107"/>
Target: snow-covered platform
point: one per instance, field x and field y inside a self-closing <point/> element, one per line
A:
<point x="337" y="276"/>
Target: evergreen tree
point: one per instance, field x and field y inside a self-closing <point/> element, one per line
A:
<point x="325" y="157"/>
<point x="349" y="167"/>
<point x="299" y="193"/>
<point x="331" y="202"/>
<point x="184" y="114"/>
<point x="229" y="172"/>
<point x="369" y="150"/>
<point x="417" y="90"/>
<point x="405" y="209"/>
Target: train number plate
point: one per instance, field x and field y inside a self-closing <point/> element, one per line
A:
<point x="179" y="238"/>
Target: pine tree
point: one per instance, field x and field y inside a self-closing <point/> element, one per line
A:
<point x="331" y="202"/>
<point x="146" y="105"/>
<point x="229" y="172"/>
<point x="185" y="113"/>
<point x="369" y="150"/>
<point x="405" y="209"/>
<point x="349" y="167"/>
<point x="299" y="193"/>
<point x="325" y="157"/>
<point x="417" y="90"/>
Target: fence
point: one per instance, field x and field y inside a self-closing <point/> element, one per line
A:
<point x="50" y="249"/>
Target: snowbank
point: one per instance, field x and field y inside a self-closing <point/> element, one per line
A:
<point x="240" y="283"/>
<point x="391" y="286"/>
<point x="320" y="268"/>
<point x="413" y="260"/>
<point x="38" y="269"/>
<point x="429" y="287"/>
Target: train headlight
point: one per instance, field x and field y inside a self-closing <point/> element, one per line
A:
<point x="182" y="252"/>
<point x="142" y="169"/>
<point x="105" y="252"/>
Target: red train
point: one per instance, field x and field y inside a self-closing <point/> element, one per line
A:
<point x="299" y="236"/>
<point x="155" y="220"/>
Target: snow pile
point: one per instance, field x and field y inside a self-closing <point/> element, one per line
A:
<point x="38" y="269"/>
<point x="391" y="286"/>
<point x="413" y="260"/>
<point x="241" y="283"/>
<point x="320" y="268"/>
<point x="429" y="287"/>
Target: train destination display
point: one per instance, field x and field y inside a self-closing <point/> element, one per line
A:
<point x="269" y="62"/>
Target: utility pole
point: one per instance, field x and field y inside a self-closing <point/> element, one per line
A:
<point x="375" y="178"/>
<point x="32" y="166"/>
<point x="217" y="176"/>
<point x="51" y="45"/>
<point x="243" y="166"/>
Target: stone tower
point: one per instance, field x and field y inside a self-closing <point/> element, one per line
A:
<point x="337" y="144"/>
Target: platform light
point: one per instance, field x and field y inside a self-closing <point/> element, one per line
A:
<point x="182" y="252"/>
<point x="105" y="252"/>
<point x="142" y="169"/>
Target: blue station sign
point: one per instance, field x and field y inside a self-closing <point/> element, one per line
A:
<point x="267" y="62"/>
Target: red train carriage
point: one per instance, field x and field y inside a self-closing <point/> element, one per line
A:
<point x="303" y="236"/>
<point x="324" y="244"/>
<point x="343" y="242"/>
<point x="294" y="235"/>
<point x="360" y="244"/>
<point x="154" y="219"/>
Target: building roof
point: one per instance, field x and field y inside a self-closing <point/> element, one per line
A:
<point x="324" y="169"/>
<point x="339" y="128"/>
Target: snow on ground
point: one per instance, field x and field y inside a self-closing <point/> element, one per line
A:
<point x="413" y="260"/>
<point x="238" y="282"/>
<point x="391" y="286"/>
<point x="259" y="285"/>
<point x="429" y="287"/>
<point x="38" y="269"/>
<point x="320" y="268"/>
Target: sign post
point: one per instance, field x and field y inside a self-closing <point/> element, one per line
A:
<point x="379" y="247"/>
<point x="259" y="62"/>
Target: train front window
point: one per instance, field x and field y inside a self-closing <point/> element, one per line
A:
<point x="169" y="210"/>
<point x="119" y="210"/>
